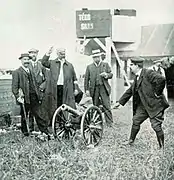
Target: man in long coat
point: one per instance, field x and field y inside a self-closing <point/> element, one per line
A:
<point x="62" y="86"/>
<point x="26" y="92"/>
<point x="97" y="86"/>
<point x="148" y="100"/>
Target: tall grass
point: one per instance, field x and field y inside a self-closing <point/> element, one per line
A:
<point x="29" y="159"/>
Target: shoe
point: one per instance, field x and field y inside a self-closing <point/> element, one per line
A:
<point x="26" y="134"/>
<point x="131" y="141"/>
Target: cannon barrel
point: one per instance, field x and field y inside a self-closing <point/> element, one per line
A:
<point x="67" y="108"/>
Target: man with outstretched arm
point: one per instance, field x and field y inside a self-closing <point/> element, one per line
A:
<point x="148" y="100"/>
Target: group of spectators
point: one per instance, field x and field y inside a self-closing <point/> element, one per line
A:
<point x="40" y="91"/>
<point x="39" y="96"/>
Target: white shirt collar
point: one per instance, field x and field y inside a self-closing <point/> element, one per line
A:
<point x="98" y="63"/>
<point x="138" y="73"/>
<point x="33" y="62"/>
<point x="62" y="61"/>
<point x="26" y="69"/>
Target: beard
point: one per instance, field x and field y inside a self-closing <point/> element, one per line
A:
<point x="33" y="58"/>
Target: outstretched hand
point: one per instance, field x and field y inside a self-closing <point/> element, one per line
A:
<point x="116" y="105"/>
<point x="50" y="50"/>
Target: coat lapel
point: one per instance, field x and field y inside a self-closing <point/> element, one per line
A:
<point x="23" y="71"/>
<point x="140" y="78"/>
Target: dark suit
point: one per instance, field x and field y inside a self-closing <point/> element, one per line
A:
<point x="99" y="87"/>
<point x="39" y="73"/>
<point x="27" y="82"/>
<point x="148" y="101"/>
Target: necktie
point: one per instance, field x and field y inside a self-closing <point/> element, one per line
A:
<point x="135" y="81"/>
<point x="159" y="70"/>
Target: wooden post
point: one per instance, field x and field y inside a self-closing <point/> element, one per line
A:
<point x="120" y="64"/>
<point x="113" y="68"/>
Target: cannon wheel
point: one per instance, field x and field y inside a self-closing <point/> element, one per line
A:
<point x="61" y="125"/>
<point x="92" y="125"/>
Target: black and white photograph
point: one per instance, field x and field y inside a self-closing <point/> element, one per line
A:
<point x="87" y="90"/>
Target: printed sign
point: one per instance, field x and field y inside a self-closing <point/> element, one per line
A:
<point x="93" y="23"/>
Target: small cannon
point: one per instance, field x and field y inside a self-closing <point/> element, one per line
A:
<point x="89" y="120"/>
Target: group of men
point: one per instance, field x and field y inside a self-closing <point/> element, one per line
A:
<point x="40" y="92"/>
<point x="38" y="99"/>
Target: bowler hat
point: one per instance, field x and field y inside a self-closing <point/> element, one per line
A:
<point x="33" y="50"/>
<point x="96" y="53"/>
<point x="24" y="55"/>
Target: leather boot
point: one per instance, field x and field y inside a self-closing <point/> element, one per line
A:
<point x="133" y="135"/>
<point x="160" y="139"/>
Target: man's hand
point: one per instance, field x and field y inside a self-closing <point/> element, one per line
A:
<point x="50" y="51"/>
<point x="87" y="93"/>
<point x="75" y="92"/>
<point x="116" y="105"/>
<point x="104" y="74"/>
<point x="20" y="100"/>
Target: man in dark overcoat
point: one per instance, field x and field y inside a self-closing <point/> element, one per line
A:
<point x="63" y="81"/>
<point x="40" y="75"/>
<point x="96" y="84"/>
<point x="25" y="90"/>
<point x="148" y="100"/>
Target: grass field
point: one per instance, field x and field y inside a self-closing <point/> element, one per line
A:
<point x="30" y="159"/>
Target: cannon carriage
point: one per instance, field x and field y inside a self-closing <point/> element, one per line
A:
<point x="89" y="120"/>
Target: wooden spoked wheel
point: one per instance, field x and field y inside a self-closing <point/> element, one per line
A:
<point x="61" y="124"/>
<point x="92" y="125"/>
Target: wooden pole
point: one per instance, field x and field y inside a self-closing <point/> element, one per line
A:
<point x="113" y="68"/>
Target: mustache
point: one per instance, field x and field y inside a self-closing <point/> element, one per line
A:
<point x="26" y="63"/>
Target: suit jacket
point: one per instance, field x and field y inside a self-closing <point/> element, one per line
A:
<point x="91" y="74"/>
<point x="20" y="80"/>
<point x="150" y="90"/>
<point x="40" y="74"/>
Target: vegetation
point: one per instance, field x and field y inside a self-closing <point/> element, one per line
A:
<point x="28" y="158"/>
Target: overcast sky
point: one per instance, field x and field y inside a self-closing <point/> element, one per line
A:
<point x="42" y="23"/>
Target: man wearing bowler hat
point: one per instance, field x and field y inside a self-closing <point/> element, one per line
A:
<point x="39" y="72"/>
<point x="148" y="100"/>
<point x="96" y="84"/>
<point x="25" y="90"/>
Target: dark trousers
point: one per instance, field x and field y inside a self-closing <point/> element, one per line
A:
<point x="156" y="123"/>
<point x="78" y="97"/>
<point x="59" y="95"/>
<point x="31" y="121"/>
<point x="32" y="108"/>
<point x="102" y="98"/>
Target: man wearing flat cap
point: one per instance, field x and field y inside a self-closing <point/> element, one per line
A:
<point x="157" y="67"/>
<point x="148" y="100"/>
<point x="63" y="80"/>
<point x="96" y="84"/>
<point x="26" y="92"/>
<point x="40" y="75"/>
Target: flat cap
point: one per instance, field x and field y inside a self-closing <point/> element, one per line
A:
<point x="60" y="50"/>
<point x="137" y="60"/>
<point x="33" y="50"/>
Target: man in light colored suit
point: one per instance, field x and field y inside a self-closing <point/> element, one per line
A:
<point x="97" y="86"/>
